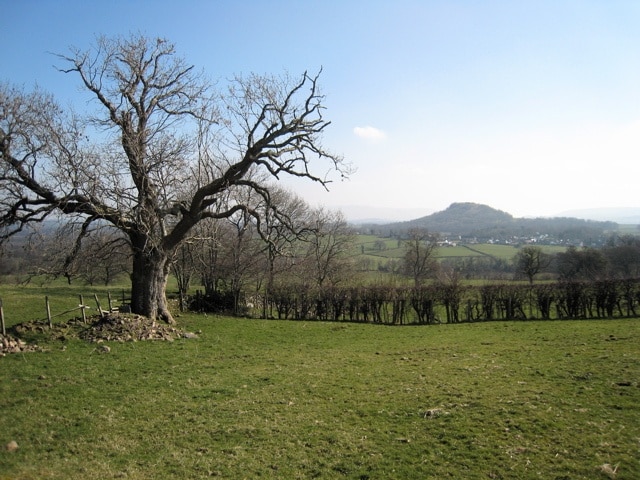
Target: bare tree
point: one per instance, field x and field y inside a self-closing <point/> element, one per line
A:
<point x="158" y="125"/>
<point x="105" y="256"/>
<point x="74" y="252"/>
<point x="419" y="259"/>
<point x="583" y="264"/>
<point x="330" y="241"/>
<point x="183" y="268"/>
<point x="623" y="256"/>
<point x="530" y="261"/>
<point x="53" y="253"/>
<point x="208" y="256"/>
<point x="283" y="226"/>
<point x="241" y="249"/>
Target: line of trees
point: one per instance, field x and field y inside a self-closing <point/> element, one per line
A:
<point x="228" y="259"/>
<point x="301" y="269"/>
<point x="618" y="259"/>
<point x="233" y="262"/>
<point x="455" y="302"/>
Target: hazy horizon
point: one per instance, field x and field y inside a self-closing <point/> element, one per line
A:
<point x="371" y="214"/>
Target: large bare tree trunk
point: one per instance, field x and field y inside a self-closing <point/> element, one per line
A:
<point x="148" y="284"/>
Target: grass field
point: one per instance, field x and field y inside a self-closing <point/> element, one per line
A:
<point x="277" y="399"/>
<point x="385" y="248"/>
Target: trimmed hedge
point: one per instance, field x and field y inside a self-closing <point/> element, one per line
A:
<point x="453" y="303"/>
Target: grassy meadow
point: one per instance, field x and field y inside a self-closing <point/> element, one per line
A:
<point x="390" y="248"/>
<point x="286" y="399"/>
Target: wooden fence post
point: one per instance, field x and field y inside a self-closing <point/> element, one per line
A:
<point x="82" y="308"/>
<point x="4" y="331"/>
<point x="95" y="295"/>
<point x="110" y="304"/>
<point x="46" y="302"/>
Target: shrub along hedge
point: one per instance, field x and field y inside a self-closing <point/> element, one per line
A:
<point x="452" y="303"/>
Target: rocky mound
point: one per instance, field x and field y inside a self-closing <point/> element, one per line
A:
<point x="114" y="327"/>
<point x="9" y="344"/>
<point x="118" y="327"/>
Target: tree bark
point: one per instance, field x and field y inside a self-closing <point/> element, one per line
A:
<point x="149" y="282"/>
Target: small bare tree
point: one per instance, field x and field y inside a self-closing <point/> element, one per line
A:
<point x="419" y="260"/>
<point x="330" y="244"/>
<point x="158" y="152"/>
<point x="242" y="256"/>
<point x="183" y="268"/>
<point x="283" y="227"/>
<point x="530" y="261"/>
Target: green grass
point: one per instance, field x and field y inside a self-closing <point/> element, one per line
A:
<point x="23" y="303"/>
<point x="367" y="246"/>
<point x="504" y="252"/>
<point x="277" y="399"/>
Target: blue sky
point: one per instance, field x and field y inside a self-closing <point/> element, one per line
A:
<point x="532" y="107"/>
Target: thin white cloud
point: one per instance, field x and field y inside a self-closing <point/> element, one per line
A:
<point x="370" y="133"/>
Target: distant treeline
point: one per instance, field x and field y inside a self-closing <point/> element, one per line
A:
<point x="450" y="303"/>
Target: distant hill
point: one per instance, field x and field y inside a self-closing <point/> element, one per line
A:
<point x="463" y="218"/>
<point x="476" y="220"/>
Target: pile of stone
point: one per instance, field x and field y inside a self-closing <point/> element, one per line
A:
<point x="113" y="327"/>
<point x="120" y="327"/>
<point x="9" y="344"/>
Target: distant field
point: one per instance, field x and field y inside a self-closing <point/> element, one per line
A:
<point x="379" y="250"/>
<point x="504" y="252"/>
<point x="629" y="229"/>
<point x="285" y="399"/>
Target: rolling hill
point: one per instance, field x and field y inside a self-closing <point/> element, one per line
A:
<point x="481" y="221"/>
